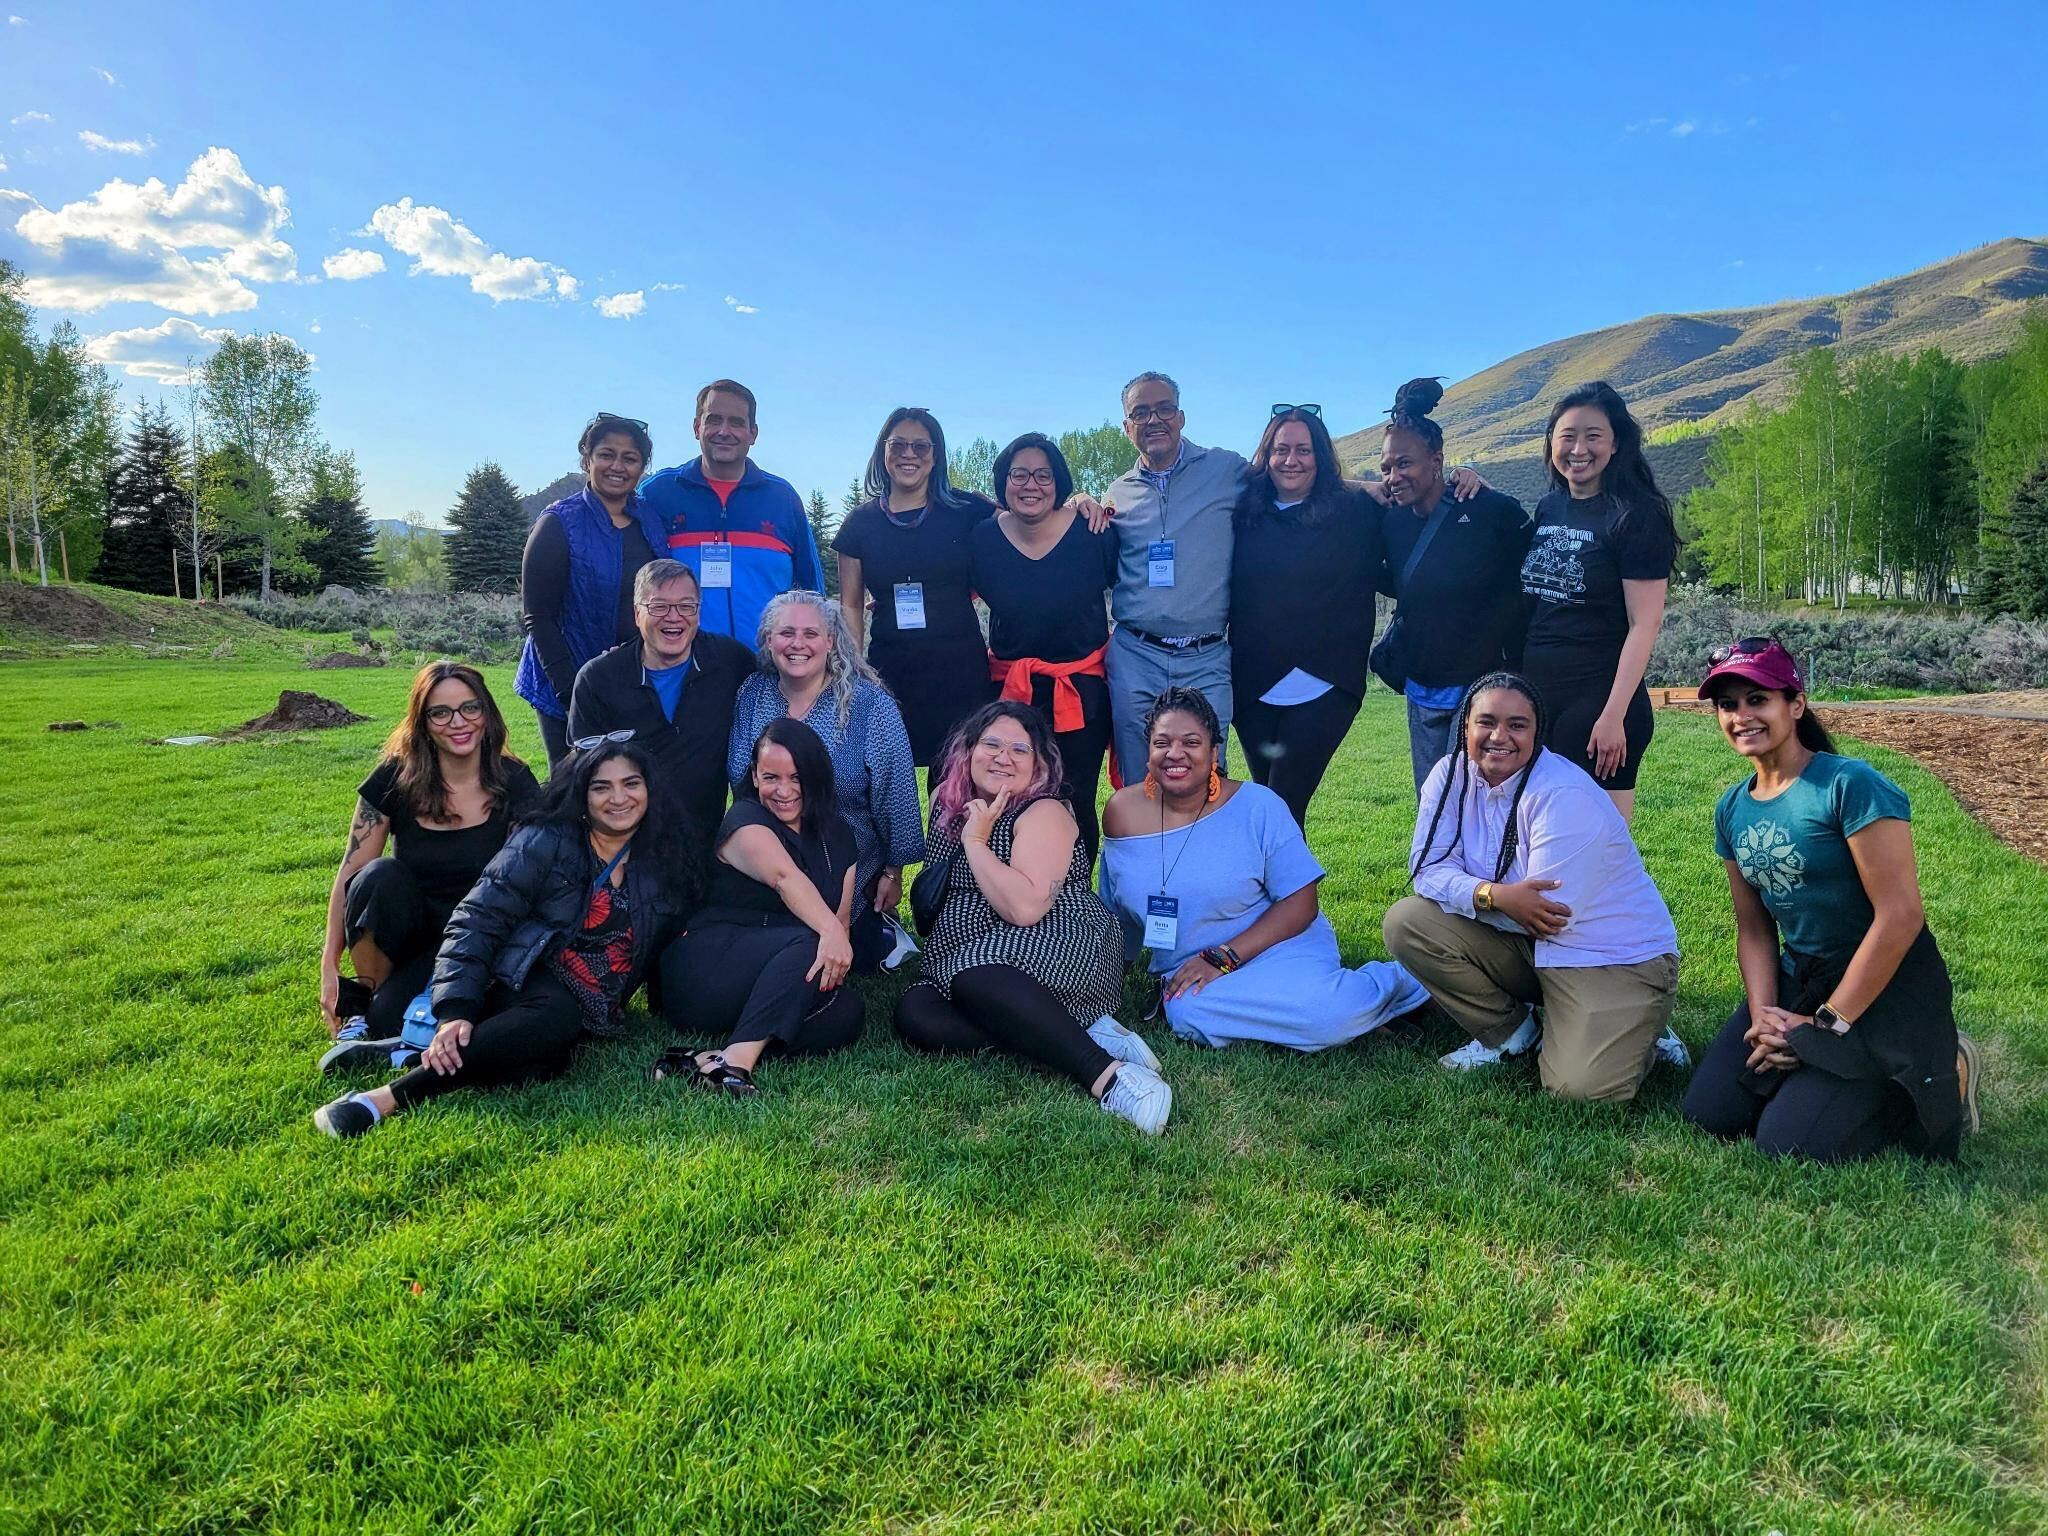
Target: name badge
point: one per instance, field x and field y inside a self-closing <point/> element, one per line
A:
<point x="717" y="567"/>
<point x="910" y="605"/>
<point x="1159" y="563"/>
<point x="1162" y="923"/>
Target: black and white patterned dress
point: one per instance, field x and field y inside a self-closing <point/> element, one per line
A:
<point x="1076" y="949"/>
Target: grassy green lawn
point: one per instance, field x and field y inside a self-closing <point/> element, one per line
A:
<point x="1344" y="1293"/>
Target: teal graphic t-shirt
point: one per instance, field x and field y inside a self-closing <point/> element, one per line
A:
<point x="1794" y="850"/>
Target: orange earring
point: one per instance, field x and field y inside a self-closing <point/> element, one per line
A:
<point x="1151" y="787"/>
<point x="1215" y="784"/>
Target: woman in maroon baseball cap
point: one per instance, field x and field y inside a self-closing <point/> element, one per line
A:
<point x="1846" y="1043"/>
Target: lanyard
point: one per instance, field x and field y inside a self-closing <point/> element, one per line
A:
<point x="606" y="873"/>
<point x="1165" y="869"/>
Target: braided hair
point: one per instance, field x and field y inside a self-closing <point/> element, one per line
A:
<point x="1190" y="701"/>
<point x="1461" y="769"/>
<point x="1413" y="402"/>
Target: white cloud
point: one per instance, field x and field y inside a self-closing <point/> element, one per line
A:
<point x="165" y="352"/>
<point x="351" y="265"/>
<point x="127" y="242"/>
<point x="106" y="75"/>
<point x="1737" y="262"/>
<point x="99" y="143"/>
<point x="1685" y="129"/>
<point x="31" y="117"/>
<point x="738" y="308"/>
<point x="441" y="245"/>
<point x="667" y="287"/>
<point x="17" y="21"/>
<point x="621" y="306"/>
<point x="314" y="327"/>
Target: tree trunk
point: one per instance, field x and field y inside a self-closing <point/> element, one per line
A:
<point x="220" y="584"/>
<point x="176" y="590"/>
<point x="64" y="555"/>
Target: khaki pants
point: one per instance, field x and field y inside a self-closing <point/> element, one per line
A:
<point x="1600" y="1022"/>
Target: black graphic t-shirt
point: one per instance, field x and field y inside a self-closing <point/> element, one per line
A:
<point x="1573" y="572"/>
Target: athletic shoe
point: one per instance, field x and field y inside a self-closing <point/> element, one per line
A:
<point x="1123" y="1044"/>
<point x="1672" y="1049"/>
<point x="353" y="1053"/>
<point x="354" y="1027"/>
<point x="1477" y="1053"/>
<point x="1140" y="1095"/>
<point x="348" y="1116"/>
<point x="1969" y="1068"/>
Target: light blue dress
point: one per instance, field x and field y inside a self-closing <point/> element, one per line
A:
<point x="1226" y="870"/>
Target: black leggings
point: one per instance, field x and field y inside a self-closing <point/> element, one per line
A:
<point x="1809" y="1113"/>
<point x="1574" y="701"/>
<point x="999" y="1008"/>
<point x="1288" y="747"/>
<point x="384" y="904"/>
<point x="748" y="984"/>
<point x="519" y="1037"/>
<point x="554" y="737"/>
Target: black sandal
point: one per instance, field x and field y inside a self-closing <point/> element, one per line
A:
<point x="720" y="1076"/>
<point x="676" y="1061"/>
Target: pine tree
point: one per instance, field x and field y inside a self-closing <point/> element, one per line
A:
<point x="2023" y="580"/>
<point x="823" y="526"/>
<point x="344" y="546"/>
<point x="145" y="503"/>
<point x="487" y="533"/>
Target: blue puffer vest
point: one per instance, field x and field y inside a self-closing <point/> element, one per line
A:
<point x="592" y="604"/>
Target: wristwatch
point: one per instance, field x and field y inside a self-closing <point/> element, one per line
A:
<point x="1482" y="896"/>
<point x="1825" y="1017"/>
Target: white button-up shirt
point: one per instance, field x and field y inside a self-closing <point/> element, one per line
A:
<point x="1568" y="831"/>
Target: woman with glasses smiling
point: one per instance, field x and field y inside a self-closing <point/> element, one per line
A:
<point x="907" y="545"/>
<point x="576" y="578"/>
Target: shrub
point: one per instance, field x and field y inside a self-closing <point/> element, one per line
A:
<point x="464" y="624"/>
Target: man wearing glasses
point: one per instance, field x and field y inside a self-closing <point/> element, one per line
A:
<point x="672" y="689"/>
<point x="740" y="530"/>
<point x="1172" y="597"/>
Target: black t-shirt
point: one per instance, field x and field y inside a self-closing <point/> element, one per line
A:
<point x="1462" y="611"/>
<point x="732" y="897"/>
<point x="930" y="547"/>
<point x="1052" y="608"/>
<point x="1573" y="573"/>
<point x="445" y="861"/>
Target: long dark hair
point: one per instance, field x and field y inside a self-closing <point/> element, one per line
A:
<point x="952" y="781"/>
<point x="665" y="844"/>
<point x="1256" y="501"/>
<point x="1453" y="790"/>
<point x="411" y="745"/>
<point x="1628" y="480"/>
<point x="939" y="490"/>
<point x="806" y="749"/>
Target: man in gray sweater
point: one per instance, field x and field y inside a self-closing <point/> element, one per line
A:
<point x="1172" y="598"/>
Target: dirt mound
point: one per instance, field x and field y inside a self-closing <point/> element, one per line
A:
<point x="337" y="661"/>
<point x="298" y="711"/>
<point x="64" y="613"/>
<point x="1997" y="767"/>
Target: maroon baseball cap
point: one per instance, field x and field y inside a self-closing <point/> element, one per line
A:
<point x="1757" y="659"/>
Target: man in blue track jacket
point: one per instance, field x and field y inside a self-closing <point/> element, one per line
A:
<point x="741" y="530"/>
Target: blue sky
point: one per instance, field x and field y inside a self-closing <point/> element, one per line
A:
<point x="1000" y="215"/>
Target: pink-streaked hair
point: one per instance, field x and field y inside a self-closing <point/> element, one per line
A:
<point x="956" y="787"/>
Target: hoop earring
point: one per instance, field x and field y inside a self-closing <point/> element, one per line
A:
<point x="1215" y="784"/>
<point x="1151" y="786"/>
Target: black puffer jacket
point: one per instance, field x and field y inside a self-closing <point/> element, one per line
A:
<point x="532" y="895"/>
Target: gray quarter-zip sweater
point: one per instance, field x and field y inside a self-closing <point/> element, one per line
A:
<point x="1194" y="512"/>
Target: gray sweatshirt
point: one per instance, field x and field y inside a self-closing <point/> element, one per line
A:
<point x="1194" y="513"/>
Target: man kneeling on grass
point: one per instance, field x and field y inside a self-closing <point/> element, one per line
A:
<point x="1529" y="893"/>
<point x="553" y="938"/>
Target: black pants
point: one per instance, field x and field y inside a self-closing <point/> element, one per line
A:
<point x="748" y="984"/>
<point x="519" y="1037"/>
<point x="384" y="904"/>
<point x="1082" y="752"/>
<point x="554" y="735"/>
<point x="1288" y="747"/>
<point x="1801" y="1113"/>
<point x="1573" y="700"/>
<point x="999" y="1008"/>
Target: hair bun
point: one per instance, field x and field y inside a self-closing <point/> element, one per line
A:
<point x="1417" y="398"/>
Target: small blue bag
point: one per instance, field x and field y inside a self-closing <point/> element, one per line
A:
<point x="417" y="1033"/>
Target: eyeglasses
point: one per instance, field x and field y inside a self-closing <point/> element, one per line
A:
<point x="1749" y="645"/>
<point x="609" y="738"/>
<point x="1030" y="477"/>
<point x="897" y="447"/>
<point x="469" y="709"/>
<point x="1313" y="410"/>
<point x="631" y="421"/>
<point x="1143" y="413"/>
<point x="688" y="608"/>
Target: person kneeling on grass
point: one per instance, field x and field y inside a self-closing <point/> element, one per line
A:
<point x="1224" y="885"/>
<point x="765" y="959"/>
<point x="1846" y="1042"/>
<point x="444" y="795"/>
<point x="1022" y="957"/>
<point x="553" y="938"/>
<point x="1529" y="891"/>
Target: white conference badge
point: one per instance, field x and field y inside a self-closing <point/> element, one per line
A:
<point x="910" y="605"/>
<point x="717" y="569"/>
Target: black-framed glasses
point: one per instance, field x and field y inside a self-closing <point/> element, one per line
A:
<point x="1143" y="413"/>
<point x="441" y="714"/>
<point x="608" y="739"/>
<point x="1022" y="476"/>
<point x="688" y="608"/>
<point x="604" y="416"/>
<point x="1313" y="410"/>
<point x="904" y="445"/>
<point x="1748" y="645"/>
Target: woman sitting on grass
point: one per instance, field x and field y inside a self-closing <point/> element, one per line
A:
<point x="1529" y="893"/>
<point x="448" y="791"/>
<point x="765" y="960"/>
<point x="1846" y="1042"/>
<point x="553" y="939"/>
<point x="1224" y="886"/>
<point x="1022" y="956"/>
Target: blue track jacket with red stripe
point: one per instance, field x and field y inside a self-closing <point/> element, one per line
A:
<point x="763" y="521"/>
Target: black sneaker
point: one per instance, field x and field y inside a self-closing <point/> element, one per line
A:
<point x="345" y="1117"/>
<point x="359" y="1055"/>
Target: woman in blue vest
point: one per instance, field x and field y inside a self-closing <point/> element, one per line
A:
<point x="576" y="580"/>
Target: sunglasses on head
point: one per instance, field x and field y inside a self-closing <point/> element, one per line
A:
<point x="609" y="738"/>
<point x="1313" y="410"/>
<point x="1749" y="645"/>
<point x="604" y="416"/>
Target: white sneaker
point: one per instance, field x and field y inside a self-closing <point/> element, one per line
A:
<point x="1123" y="1044"/>
<point x="1476" y="1053"/>
<point x="903" y="946"/>
<point x="1140" y="1095"/>
<point x="1672" y="1049"/>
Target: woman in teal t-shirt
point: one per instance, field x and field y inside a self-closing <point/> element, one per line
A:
<point x="1846" y="1042"/>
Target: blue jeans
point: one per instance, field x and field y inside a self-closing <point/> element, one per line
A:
<point x="1140" y="671"/>
<point x="1429" y="738"/>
